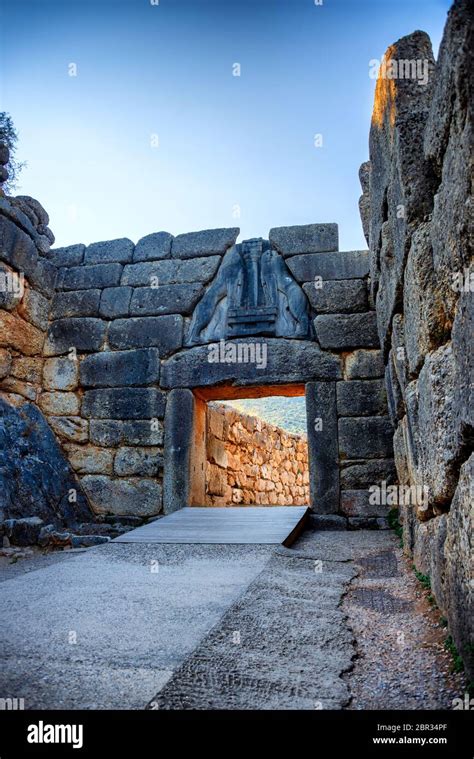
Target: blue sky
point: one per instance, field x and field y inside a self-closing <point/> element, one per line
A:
<point x="165" y="72"/>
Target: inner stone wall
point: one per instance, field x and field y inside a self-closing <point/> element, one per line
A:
<point x="250" y="461"/>
<point x="418" y="216"/>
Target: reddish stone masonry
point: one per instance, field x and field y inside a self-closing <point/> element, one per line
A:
<point x="250" y="461"/>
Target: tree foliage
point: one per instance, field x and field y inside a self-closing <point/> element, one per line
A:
<point x="9" y="136"/>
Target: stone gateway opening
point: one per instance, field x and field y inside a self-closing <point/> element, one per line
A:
<point x="241" y="459"/>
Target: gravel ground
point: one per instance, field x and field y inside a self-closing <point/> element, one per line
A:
<point x="401" y="662"/>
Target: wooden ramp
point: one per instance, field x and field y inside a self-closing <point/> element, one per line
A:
<point x="236" y="524"/>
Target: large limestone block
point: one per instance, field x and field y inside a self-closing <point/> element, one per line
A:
<point x="123" y="403"/>
<point x="109" y="251"/>
<point x="153" y="247"/>
<point x="121" y="368"/>
<point x="142" y="461"/>
<point x="81" y="303"/>
<point x="276" y="361"/>
<point x="365" y="437"/>
<point x="459" y="554"/>
<point x="89" y="459"/>
<point x="20" y="335"/>
<point x="426" y="325"/>
<point x="119" y="497"/>
<point x="363" y="364"/>
<point x="168" y="299"/>
<point x="439" y="441"/>
<point x="342" y="265"/>
<point x="208" y="242"/>
<point x="60" y="374"/>
<point x="361" y="398"/>
<point x="89" y="277"/>
<point x="170" y="272"/>
<point x="337" y="296"/>
<point x="307" y="238"/>
<point x="346" y="331"/>
<point x="162" y="332"/>
<point x="84" y="334"/>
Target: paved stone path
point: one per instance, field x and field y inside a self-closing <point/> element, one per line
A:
<point x="231" y="627"/>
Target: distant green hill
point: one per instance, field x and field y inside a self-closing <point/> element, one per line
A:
<point x="287" y="413"/>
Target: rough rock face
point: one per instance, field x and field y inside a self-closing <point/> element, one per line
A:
<point x="421" y="263"/>
<point x="35" y="477"/>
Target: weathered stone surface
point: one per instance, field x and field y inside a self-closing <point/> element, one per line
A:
<point x="162" y="332"/>
<point x="146" y="462"/>
<point x="109" y="251"/>
<point x="84" y="334"/>
<point x="121" y="368"/>
<point x="401" y="183"/>
<point x="337" y="296"/>
<point x="179" y="425"/>
<point x="35" y="477"/>
<point x="13" y="385"/>
<point x="19" y="334"/>
<point x="396" y="406"/>
<point x="140" y="497"/>
<point x="352" y="264"/>
<point x="426" y="322"/>
<point x="70" y="428"/>
<point x="345" y="331"/>
<point x="23" y="532"/>
<point x="59" y="404"/>
<point x="458" y="552"/>
<point x="363" y="364"/>
<point x="170" y="272"/>
<point x="365" y="437"/>
<point x="439" y="437"/>
<point x="208" y="242"/>
<point x="448" y="146"/>
<point x="123" y="403"/>
<point x="463" y="330"/>
<point x="281" y="361"/>
<point x="60" y="374"/>
<point x="88" y="459"/>
<point x="81" y="303"/>
<point x="71" y="255"/>
<point x="115" y="302"/>
<point x="323" y="447"/>
<point x="356" y="503"/>
<point x="399" y="357"/>
<point x="42" y="277"/>
<point x="35" y="309"/>
<point x="364" y="200"/>
<point x="153" y="247"/>
<point x="90" y="277"/>
<point x="362" y="475"/>
<point x="327" y="522"/>
<point x="112" y="433"/>
<point x="5" y="362"/>
<point x="167" y="299"/>
<point x="306" y="238"/>
<point x="361" y="398"/>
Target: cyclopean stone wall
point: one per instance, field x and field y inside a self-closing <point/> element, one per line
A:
<point x="250" y="461"/>
<point x="417" y="213"/>
<point x="125" y="341"/>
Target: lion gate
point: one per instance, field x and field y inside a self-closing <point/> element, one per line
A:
<point x="129" y="343"/>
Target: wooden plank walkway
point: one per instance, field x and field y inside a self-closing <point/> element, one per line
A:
<point x="236" y="524"/>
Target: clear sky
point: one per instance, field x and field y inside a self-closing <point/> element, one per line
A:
<point x="164" y="73"/>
